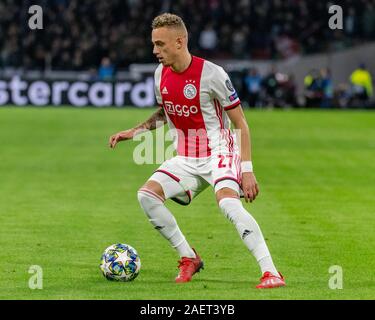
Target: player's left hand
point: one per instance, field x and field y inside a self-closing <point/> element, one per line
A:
<point x="249" y="186"/>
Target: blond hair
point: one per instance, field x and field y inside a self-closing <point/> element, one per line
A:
<point x="169" y="20"/>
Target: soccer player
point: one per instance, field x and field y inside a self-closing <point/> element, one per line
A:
<point x="199" y="103"/>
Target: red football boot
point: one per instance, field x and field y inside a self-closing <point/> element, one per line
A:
<point x="269" y="281"/>
<point x="188" y="267"/>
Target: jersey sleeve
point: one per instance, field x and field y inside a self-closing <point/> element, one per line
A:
<point x="223" y="90"/>
<point x="157" y="78"/>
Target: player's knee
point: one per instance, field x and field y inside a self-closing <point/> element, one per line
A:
<point x="148" y="199"/>
<point x="154" y="187"/>
<point x="151" y="189"/>
<point x="226" y="193"/>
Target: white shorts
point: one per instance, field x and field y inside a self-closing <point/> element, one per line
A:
<point x="182" y="178"/>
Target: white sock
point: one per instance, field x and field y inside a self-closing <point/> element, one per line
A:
<point x="249" y="231"/>
<point x="163" y="221"/>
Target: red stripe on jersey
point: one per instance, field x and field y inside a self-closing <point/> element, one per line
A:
<point x="223" y="131"/>
<point x="181" y="101"/>
<point x="218" y="113"/>
<point x="238" y="164"/>
<point x="226" y="132"/>
<point x="227" y="138"/>
<point x="231" y="140"/>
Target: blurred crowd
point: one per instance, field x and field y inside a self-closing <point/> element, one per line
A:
<point x="320" y="91"/>
<point x="77" y="34"/>
<point x="274" y="89"/>
<point x="279" y="90"/>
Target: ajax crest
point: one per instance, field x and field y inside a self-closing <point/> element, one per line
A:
<point x="190" y="91"/>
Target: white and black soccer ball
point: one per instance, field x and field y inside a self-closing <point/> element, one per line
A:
<point x="120" y="262"/>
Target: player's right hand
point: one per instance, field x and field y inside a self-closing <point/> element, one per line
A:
<point x="120" y="136"/>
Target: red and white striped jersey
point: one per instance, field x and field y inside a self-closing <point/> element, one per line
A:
<point x="194" y="102"/>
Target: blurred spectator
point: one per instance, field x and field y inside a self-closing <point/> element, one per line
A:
<point x="92" y="74"/>
<point x="313" y="89"/>
<point x="208" y="40"/>
<point x="239" y="47"/>
<point x="368" y="21"/>
<point x="286" y="47"/>
<point x="253" y="85"/>
<point x="106" y="70"/>
<point x="351" y="22"/>
<point x="285" y="95"/>
<point x="275" y="89"/>
<point x="271" y="86"/>
<point x="290" y="92"/>
<point x="361" y="81"/>
<point x="342" y="96"/>
<point x="327" y="88"/>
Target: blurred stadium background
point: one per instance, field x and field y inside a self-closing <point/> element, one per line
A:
<point x="279" y="53"/>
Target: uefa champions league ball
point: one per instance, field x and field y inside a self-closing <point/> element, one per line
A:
<point x="120" y="262"/>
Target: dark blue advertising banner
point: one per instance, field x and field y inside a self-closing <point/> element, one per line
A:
<point x="19" y="92"/>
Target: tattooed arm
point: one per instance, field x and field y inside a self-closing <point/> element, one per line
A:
<point x="156" y="120"/>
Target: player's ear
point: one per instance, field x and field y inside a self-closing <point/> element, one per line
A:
<point x="179" y="42"/>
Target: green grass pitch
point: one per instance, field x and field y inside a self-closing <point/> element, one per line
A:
<point x="65" y="196"/>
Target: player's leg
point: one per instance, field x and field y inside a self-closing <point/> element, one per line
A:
<point x="173" y="181"/>
<point x="227" y="196"/>
<point x="248" y="229"/>
<point x="151" y="197"/>
<point x="225" y="177"/>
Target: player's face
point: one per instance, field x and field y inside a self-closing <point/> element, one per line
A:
<point x="166" y="45"/>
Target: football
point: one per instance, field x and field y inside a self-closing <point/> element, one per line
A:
<point x="120" y="262"/>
